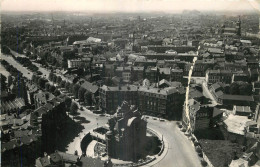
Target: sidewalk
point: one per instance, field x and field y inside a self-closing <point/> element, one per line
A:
<point x="90" y="149"/>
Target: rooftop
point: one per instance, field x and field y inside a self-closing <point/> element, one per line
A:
<point x="236" y="124"/>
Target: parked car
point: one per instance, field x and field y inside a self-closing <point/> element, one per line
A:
<point x="39" y="73"/>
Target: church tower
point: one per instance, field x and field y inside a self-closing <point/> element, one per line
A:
<point x="238" y="27"/>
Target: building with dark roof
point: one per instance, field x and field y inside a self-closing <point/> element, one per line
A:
<point x="14" y="106"/>
<point x="228" y="99"/>
<point x="242" y="110"/>
<point x="178" y="49"/>
<point x="58" y="159"/>
<point x="232" y="31"/>
<point x="42" y="98"/>
<point x="150" y="100"/>
<point x="90" y="87"/>
<point x="200" y="117"/>
<point x="213" y="76"/>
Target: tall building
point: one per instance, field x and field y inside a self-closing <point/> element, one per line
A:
<point x="230" y="31"/>
<point x="238" y="27"/>
<point x="127" y="135"/>
<point x="259" y="26"/>
<point x="165" y="102"/>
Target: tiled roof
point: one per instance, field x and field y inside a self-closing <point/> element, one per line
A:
<point x="242" y="109"/>
<point x="90" y="87"/>
<point x="237" y="97"/>
<point x="9" y="145"/>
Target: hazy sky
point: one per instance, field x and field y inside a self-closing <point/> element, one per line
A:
<point x="128" y="5"/>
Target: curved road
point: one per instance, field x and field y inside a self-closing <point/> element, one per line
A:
<point x="180" y="151"/>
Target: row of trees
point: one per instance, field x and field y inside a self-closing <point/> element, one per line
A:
<point x="44" y="84"/>
<point x="12" y="70"/>
<point x="27" y="63"/>
<point x="75" y="89"/>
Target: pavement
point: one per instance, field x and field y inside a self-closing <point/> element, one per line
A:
<point x="90" y="150"/>
<point x="26" y="73"/>
<point x="95" y="121"/>
<point x="180" y="152"/>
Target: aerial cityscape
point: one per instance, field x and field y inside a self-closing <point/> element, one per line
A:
<point x="123" y="86"/>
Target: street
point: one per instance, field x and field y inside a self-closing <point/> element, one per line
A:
<point x="181" y="153"/>
<point x="207" y="93"/>
<point x="26" y="73"/>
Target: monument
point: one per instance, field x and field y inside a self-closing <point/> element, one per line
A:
<point x="127" y="134"/>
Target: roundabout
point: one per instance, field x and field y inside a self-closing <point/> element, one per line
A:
<point x="178" y="150"/>
<point x="97" y="148"/>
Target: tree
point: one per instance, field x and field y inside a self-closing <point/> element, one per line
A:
<point x="67" y="86"/>
<point x="47" y="86"/>
<point x="245" y="88"/>
<point x="67" y="102"/>
<point x="52" y="89"/>
<point x="241" y="88"/>
<point x="75" y="90"/>
<point x="59" y="79"/>
<point x="35" y="78"/>
<point x="112" y="123"/>
<point x="54" y="78"/>
<point x="41" y="82"/>
<point x="56" y="92"/>
<point x="71" y="88"/>
<point x="81" y="93"/>
<point x="3" y="82"/>
<point x="62" y="84"/>
<point x="73" y="108"/>
<point x="9" y="80"/>
<point x="51" y="76"/>
<point x="234" y="88"/>
<point x="109" y="82"/>
<point x="88" y="98"/>
<point x="20" y="90"/>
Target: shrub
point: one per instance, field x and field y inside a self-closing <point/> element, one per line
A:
<point x="204" y="163"/>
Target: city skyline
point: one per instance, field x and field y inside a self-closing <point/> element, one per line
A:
<point x="171" y="6"/>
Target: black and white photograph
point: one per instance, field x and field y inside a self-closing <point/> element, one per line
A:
<point x="130" y="83"/>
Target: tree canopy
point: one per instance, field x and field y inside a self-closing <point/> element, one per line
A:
<point x="73" y="108"/>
